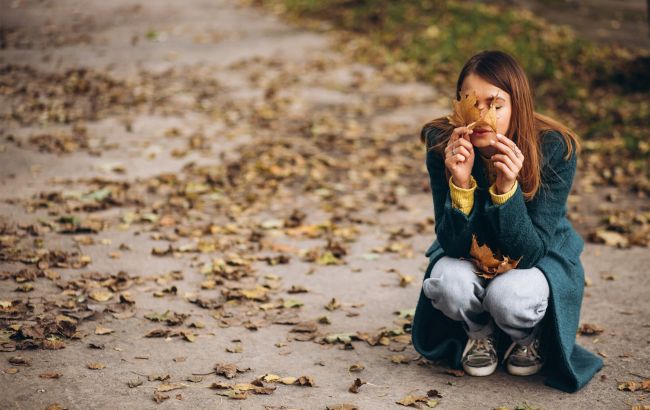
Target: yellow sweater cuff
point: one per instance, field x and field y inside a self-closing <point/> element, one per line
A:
<point x="461" y="198"/>
<point x="500" y="199"/>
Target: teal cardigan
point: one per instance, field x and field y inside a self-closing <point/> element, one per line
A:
<point x="539" y="232"/>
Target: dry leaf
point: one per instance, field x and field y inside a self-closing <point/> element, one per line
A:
<point x="466" y="113"/>
<point x="20" y="361"/>
<point x="590" y="329"/>
<point x="163" y="388"/>
<point x="357" y="367"/>
<point x="50" y="375"/>
<point x="233" y="394"/>
<point x="101" y="295"/>
<point x="100" y="330"/>
<point x="228" y="370"/>
<point x="634" y="386"/>
<point x="487" y="262"/>
<point x="455" y="372"/>
<point x="95" y="366"/>
<point x="134" y="383"/>
<point x="412" y="401"/>
<point x="354" y="388"/>
<point x="159" y="397"/>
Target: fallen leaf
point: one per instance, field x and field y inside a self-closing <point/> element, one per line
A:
<point x="95" y="365"/>
<point x="100" y="330"/>
<point x="332" y="305"/>
<point x="158" y="376"/>
<point x="134" y="383"/>
<point x="401" y="359"/>
<point x="50" y="375"/>
<point x="158" y="332"/>
<point x="357" y="367"/>
<point x="163" y="388"/>
<point x="101" y="295"/>
<point x="634" y="386"/>
<point x="233" y="394"/>
<point x="610" y="238"/>
<point x="455" y="372"/>
<point x="590" y="329"/>
<point x="20" y="361"/>
<point x="354" y="388"/>
<point x="412" y="401"/>
<point x="228" y="370"/>
<point x="159" y="397"/>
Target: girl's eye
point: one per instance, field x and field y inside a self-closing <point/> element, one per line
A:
<point x="498" y="108"/>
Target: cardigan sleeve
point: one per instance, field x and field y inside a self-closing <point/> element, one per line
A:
<point x="527" y="230"/>
<point x="453" y="227"/>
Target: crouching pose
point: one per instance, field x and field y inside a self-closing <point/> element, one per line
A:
<point x="504" y="182"/>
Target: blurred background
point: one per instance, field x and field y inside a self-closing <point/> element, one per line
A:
<point x="588" y="60"/>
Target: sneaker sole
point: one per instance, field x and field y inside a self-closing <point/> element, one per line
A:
<point x="523" y="371"/>
<point x="480" y="371"/>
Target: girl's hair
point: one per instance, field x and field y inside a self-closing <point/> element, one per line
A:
<point x="526" y="126"/>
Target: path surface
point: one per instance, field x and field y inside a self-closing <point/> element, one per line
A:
<point x="230" y="137"/>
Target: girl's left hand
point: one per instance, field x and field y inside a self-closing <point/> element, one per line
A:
<point x="507" y="162"/>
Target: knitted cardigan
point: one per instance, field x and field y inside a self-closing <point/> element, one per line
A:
<point x="539" y="232"/>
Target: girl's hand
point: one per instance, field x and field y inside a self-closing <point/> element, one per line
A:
<point x="459" y="157"/>
<point x="508" y="163"/>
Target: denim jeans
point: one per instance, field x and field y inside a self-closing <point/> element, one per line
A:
<point x="515" y="301"/>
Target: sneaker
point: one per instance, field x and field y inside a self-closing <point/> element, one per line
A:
<point x="480" y="357"/>
<point x="524" y="360"/>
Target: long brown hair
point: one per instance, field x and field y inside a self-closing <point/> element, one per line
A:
<point x="526" y="126"/>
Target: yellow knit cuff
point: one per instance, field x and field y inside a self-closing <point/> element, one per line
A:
<point x="500" y="199"/>
<point x="461" y="198"/>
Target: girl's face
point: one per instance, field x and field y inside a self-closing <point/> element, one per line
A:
<point x="486" y="94"/>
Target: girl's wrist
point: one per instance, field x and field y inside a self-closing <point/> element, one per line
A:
<point x="465" y="184"/>
<point x="501" y="190"/>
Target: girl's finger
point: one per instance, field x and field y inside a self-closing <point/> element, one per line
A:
<point x="504" y="168"/>
<point x="464" y="151"/>
<point x="507" y="151"/>
<point x="510" y="143"/>
<point x="465" y="143"/>
<point x="506" y="160"/>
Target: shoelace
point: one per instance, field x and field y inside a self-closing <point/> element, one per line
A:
<point x="480" y="346"/>
<point x="516" y="349"/>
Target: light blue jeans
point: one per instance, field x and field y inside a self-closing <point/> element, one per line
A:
<point x="515" y="301"/>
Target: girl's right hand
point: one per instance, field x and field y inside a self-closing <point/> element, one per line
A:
<point x="459" y="157"/>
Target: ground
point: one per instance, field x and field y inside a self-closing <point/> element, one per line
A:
<point x="260" y="186"/>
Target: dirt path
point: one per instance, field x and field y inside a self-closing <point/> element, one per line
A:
<point x="258" y="185"/>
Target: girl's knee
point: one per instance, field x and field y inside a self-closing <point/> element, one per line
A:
<point x="516" y="304"/>
<point x="453" y="287"/>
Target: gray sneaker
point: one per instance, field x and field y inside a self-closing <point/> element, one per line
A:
<point x="524" y="360"/>
<point x="480" y="357"/>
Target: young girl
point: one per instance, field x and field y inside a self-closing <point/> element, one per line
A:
<point x="509" y="188"/>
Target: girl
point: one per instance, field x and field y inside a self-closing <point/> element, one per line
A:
<point x="509" y="188"/>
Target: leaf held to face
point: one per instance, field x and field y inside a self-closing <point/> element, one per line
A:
<point x="466" y="114"/>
